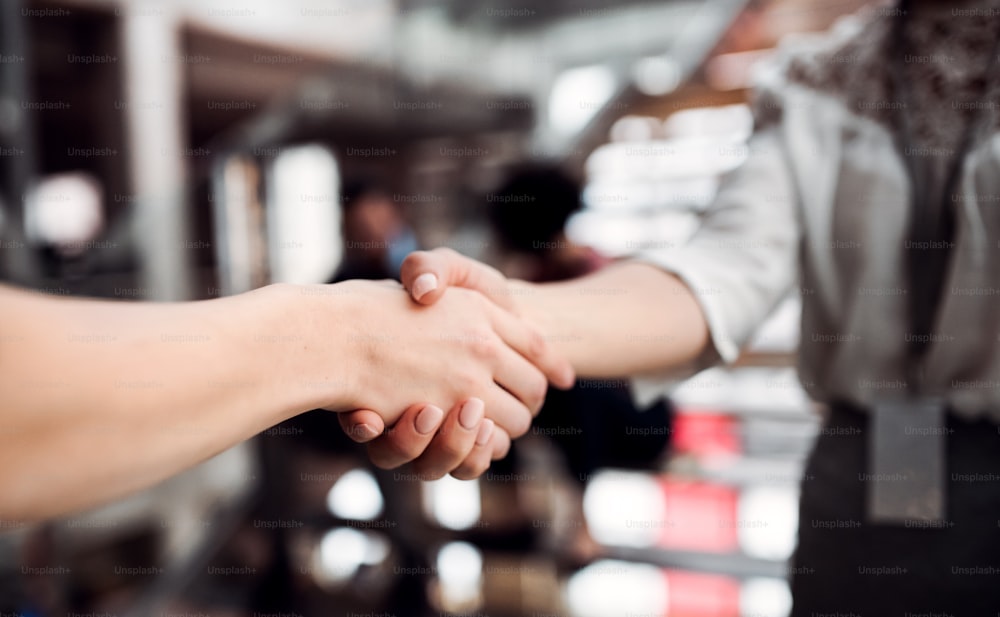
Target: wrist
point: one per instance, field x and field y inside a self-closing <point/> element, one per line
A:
<point x="537" y="303"/>
<point x="307" y="347"/>
<point x="529" y="303"/>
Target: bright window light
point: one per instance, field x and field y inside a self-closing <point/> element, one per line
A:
<point x="730" y="122"/>
<point x="460" y="571"/>
<point x="304" y="215"/>
<point x="452" y="503"/>
<point x="355" y="496"/>
<point x="656" y="75"/>
<point x="342" y="551"/>
<point x="765" y="597"/>
<point x="635" y="128"/>
<point x="577" y="95"/>
<point x="617" y="589"/>
<point x="624" y="509"/>
<point x="65" y="210"/>
<point x="768" y="521"/>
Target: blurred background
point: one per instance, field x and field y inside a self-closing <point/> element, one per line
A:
<point x="192" y="149"/>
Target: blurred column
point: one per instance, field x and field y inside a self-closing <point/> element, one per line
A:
<point x="17" y="146"/>
<point x="156" y="146"/>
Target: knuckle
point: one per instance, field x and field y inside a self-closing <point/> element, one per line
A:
<point x="537" y="346"/>
<point x="382" y="459"/>
<point x="519" y="425"/>
<point x="484" y="346"/>
<point x="470" y="470"/>
<point x="501" y="450"/>
<point x="536" y="394"/>
<point x="413" y="262"/>
<point x="462" y="472"/>
<point x="467" y="381"/>
<point x="482" y="465"/>
<point x="428" y="472"/>
<point x="453" y="449"/>
<point x="394" y="449"/>
<point x="407" y="450"/>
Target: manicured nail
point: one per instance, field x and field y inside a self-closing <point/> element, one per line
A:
<point x="423" y="284"/>
<point x="366" y="431"/>
<point x="429" y="419"/>
<point x="471" y="414"/>
<point x="485" y="432"/>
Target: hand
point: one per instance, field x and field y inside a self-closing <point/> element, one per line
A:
<point x="415" y="438"/>
<point x="421" y="273"/>
<point x="401" y="352"/>
<point x="435" y="448"/>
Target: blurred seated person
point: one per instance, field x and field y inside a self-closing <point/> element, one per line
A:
<point x="595" y="424"/>
<point x="376" y="235"/>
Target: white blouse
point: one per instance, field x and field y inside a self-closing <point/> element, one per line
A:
<point x="822" y="201"/>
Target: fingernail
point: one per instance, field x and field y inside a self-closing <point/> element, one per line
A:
<point x="485" y="432"/>
<point x="471" y="414"/>
<point x="366" y="431"/>
<point x="429" y="419"/>
<point x="423" y="284"/>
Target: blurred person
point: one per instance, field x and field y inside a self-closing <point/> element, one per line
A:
<point x="376" y="235"/>
<point x="529" y="212"/>
<point x="103" y="398"/>
<point x="870" y="181"/>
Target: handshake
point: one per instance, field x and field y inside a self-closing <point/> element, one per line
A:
<point x="442" y="371"/>
<point x="443" y="378"/>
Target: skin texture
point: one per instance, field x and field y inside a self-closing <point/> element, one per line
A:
<point x="628" y="319"/>
<point x="104" y="398"/>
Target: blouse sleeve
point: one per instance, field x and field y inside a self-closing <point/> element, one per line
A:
<point x="744" y="257"/>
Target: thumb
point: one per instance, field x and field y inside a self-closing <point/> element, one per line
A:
<point x="427" y="274"/>
<point x="361" y="425"/>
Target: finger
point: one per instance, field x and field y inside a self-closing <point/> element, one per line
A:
<point x="478" y="460"/>
<point x="453" y="442"/>
<point x="361" y="425"/>
<point x="520" y="378"/>
<point x="408" y="438"/>
<point x="426" y="274"/>
<point x="508" y="412"/>
<point x="529" y="342"/>
<point x="499" y="444"/>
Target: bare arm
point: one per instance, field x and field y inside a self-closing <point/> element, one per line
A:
<point x="120" y="395"/>
<point x="103" y="398"/>
<point x="627" y="319"/>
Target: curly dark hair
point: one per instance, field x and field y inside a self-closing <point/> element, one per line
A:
<point x="532" y="206"/>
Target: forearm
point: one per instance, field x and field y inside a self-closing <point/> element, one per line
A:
<point x="627" y="319"/>
<point x="103" y="398"/>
